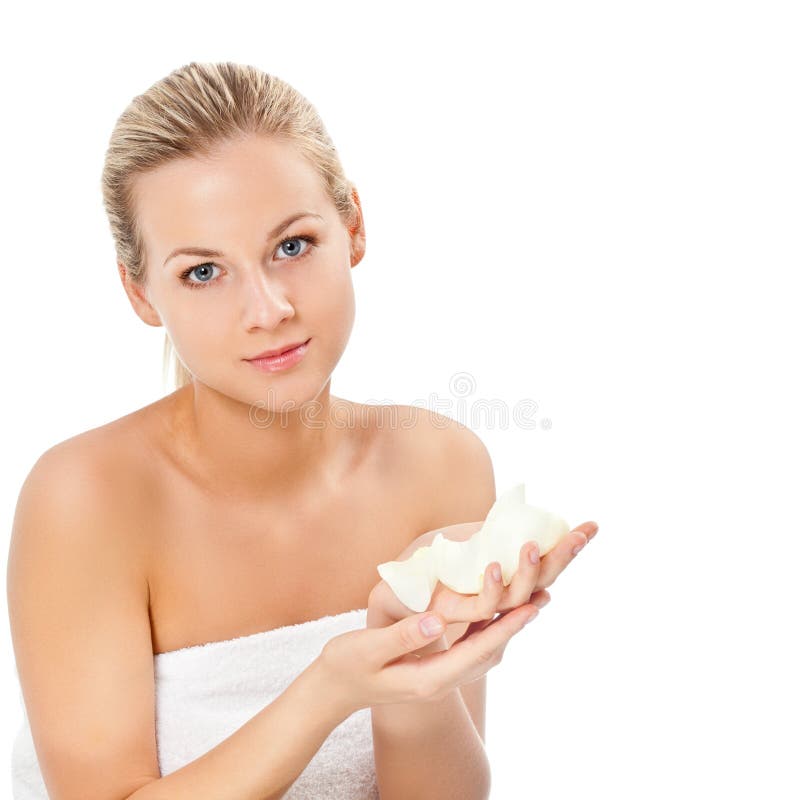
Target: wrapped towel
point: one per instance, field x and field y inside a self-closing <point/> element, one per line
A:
<point x="206" y="692"/>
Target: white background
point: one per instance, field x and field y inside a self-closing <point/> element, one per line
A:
<point x="592" y="207"/>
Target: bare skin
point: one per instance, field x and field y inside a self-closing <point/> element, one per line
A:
<point x="220" y="567"/>
<point x="243" y="502"/>
<point x="262" y="292"/>
<point x="237" y="501"/>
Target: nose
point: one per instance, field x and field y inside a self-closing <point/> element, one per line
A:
<point x="265" y="303"/>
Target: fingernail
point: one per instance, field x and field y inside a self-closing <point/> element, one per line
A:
<point x="496" y="572"/>
<point x="534" y="554"/>
<point x="431" y="626"/>
<point x="532" y="616"/>
<point x="579" y="547"/>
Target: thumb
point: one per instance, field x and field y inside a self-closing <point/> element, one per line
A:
<point x="414" y="632"/>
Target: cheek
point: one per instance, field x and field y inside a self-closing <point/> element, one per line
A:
<point x="193" y="339"/>
<point x="337" y="305"/>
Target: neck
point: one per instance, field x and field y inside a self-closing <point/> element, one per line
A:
<point x="245" y="451"/>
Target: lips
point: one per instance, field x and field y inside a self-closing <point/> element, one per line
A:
<point x="277" y="352"/>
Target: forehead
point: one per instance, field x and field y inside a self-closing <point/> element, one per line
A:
<point x="245" y="185"/>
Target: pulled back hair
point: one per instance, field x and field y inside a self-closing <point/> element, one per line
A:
<point x="193" y="109"/>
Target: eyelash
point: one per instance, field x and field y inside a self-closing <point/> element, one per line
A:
<point x="310" y="239"/>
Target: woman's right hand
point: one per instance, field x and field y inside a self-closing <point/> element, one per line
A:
<point x="373" y="666"/>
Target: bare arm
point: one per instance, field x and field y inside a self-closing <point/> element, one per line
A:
<point x="78" y="606"/>
<point x="435" y="749"/>
<point x="429" y="750"/>
<point x="263" y="758"/>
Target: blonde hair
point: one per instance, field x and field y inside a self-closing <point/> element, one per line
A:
<point x="188" y="113"/>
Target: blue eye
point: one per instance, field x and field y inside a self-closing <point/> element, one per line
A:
<point x="310" y="240"/>
<point x="306" y="239"/>
<point x="185" y="275"/>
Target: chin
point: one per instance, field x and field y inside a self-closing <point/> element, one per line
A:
<point x="277" y="394"/>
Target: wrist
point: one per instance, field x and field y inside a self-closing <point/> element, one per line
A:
<point x="321" y="685"/>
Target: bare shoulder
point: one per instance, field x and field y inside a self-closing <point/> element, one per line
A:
<point x="130" y="439"/>
<point x="78" y="608"/>
<point x="449" y="463"/>
<point x="125" y="452"/>
<point x="90" y="476"/>
<point x="105" y="475"/>
<point x="93" y="451"/>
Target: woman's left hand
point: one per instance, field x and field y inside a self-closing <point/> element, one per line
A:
<point x="528" y="584"/>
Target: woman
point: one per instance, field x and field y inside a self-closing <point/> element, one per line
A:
<point x="192" y="587"/>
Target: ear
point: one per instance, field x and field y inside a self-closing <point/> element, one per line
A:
<point x="358" y="241"/>
<point x="138" y="299"/>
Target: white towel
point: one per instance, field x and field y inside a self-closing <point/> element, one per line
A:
<point x="206" y="692"/>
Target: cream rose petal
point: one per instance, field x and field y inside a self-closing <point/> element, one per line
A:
<point x="509" y="524"/>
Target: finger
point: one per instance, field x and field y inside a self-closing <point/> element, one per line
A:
<point x="525" y="578"/>
<point x="407" y="635"/>
<point x="491" y="591"/>
<point x="557" y="560"/>
<point x="540" y="599"/>
<point x="473" y="627"/>
<point x="455" y="607"/>
<point x="588" y="528"/>
<point x="473" y="656"/>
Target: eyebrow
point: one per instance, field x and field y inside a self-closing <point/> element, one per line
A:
<point x="206" y="253"/>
